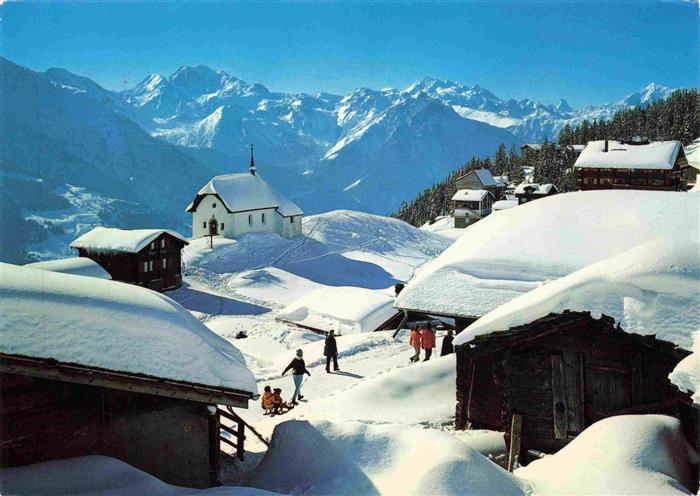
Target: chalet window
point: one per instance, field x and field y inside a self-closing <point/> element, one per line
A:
<point x="204" y="225"/>
<point x="153" y="245"/>
<point x="638" y="181"/>
<point x="250" y="219"/>
<point x="150" y="265"/>
<point x="165" y="263"/>
<point x="162" y="243"/>
<point x="656" y="182"/>
<point x="291" y="220"/>
<point x="145" y="266"/>
<point x="213" y="205"/>
<point x="262" y="216"/>
<point x="222" y="226"/>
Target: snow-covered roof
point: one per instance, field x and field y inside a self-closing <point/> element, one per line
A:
<point x="485" y="177"/>
<point x="655" y="155"/>
<point x="692" y="154"/>
<point x="78" y="266"/>
<point x="113" y="326"/>
<point x="534" y="146"/>
<point x="502" y="180"/>
<point x="112" y="239"/>
<point x="686" y="375"/>
<point x="345" y="309"/>
<point x="534" y="188"/>
<point x="519" y="249"/>
<point x="246" y="191"/>
<point x="654" y="288"/>
<point x="470" y="195"/>
<point x="504" y="204"/>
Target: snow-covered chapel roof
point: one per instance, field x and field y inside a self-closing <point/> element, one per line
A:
<point x="506" y="255"/>
<point x="112" y="239"/>
<point x="653" y="288"/>
<point x="112" y="326"/>
<point x="655" y="155"/>
<point x="245" y="191"/>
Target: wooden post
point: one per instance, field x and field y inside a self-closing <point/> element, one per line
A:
<point x="214" y="448"/>
<point x="240" y="449"/>
<point x="559" y="411"/>
<point x="514" y="449"/>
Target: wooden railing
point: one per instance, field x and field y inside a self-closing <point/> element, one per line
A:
<point x="237" y="433"/>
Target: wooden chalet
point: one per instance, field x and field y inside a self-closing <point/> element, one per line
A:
<point x="469" y="206"/>
<point x="559" y="374"/>
<point x="637" y="164"/>
<point x="95" y="387"/>
<point x="481" y="179"/>
<point x="145" y="257"/>
<point x="526" y="192"/>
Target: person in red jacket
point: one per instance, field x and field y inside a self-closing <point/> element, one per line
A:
<point x="414" y="341"/>
<point x="427" y="339"/>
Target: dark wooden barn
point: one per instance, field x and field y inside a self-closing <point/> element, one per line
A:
<point x="147" y="257"/>
<point x="51" y="410"/>
<point x="561" y="373"/>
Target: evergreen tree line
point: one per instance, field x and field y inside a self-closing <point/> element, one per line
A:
<point x="675" y="118"/>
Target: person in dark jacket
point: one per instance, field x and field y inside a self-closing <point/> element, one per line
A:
<point x="447" y="347"/>
<point x="298" y="368"/>
<point x="330" y="351"/>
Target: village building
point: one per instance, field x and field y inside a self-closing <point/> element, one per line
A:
<point x="529" y="150"/>
<point x="572" y="352"/>
<point x="471" y="205"/>
<point x="481" y="179"/>
<point x="509" y="254"/>
<point x="636" y="164"/>
<point x="146" y="257"/>
<point x="526" y="192"/>
<point x="90" y="367"/>
<point x="235" y="204"/>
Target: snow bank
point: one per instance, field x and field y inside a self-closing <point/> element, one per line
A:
<point x="114" y="326"/>
<point x="519" y="249"/>
<point x="686" y="375"/>
<point x="346" y="309"/>
<point x="444" y="226"/>
<point x="655" y="155"/>
<point x="79" y="266"/>
<point x="355" y="458"/>
<point x="420" y="393"/>
<point x="653" y="288"/>
<point x="504" y="205"/>
<point x="628" y="454"/>
<point x="99" y="476"/>
<point x="111" y="239"/>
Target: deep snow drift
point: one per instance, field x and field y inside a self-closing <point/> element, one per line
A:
<point x="114" y="326"/>
<point x="319" y="458"/>
<point x="653" y="288"/>
<point x="519" y="249"/>
<point x="76" y="266"/>
<point x="628" y="454"/>
<point x="99" y="476"/>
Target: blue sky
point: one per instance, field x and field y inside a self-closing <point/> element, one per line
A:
<point x="586" y="52"/>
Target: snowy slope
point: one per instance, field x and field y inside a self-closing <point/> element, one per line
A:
<point x="76" y="266"/>
<point x="519" y="249"/>
<point x="686" y="375"/>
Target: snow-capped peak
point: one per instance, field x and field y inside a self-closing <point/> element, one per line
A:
<point x="649" y="94"/>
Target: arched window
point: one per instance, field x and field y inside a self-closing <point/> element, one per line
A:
<point x="250" y="219"/>
<point x="263" y="218"/>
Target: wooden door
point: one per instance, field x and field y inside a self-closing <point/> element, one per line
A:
<point x="567" y="394"/>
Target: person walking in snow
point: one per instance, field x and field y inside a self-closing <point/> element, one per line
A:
<point x="427" y="340"/>
<point x="330" y="351"/>
<point x="414" y="341"/>
<point x="447" y="346"/>
<point x="298" y="368"/>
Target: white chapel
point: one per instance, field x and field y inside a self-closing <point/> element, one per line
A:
<point x="234" y="204"/>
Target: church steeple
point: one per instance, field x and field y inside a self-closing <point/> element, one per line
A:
<point x="252" y="161"/>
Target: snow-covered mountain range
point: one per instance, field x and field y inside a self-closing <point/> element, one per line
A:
<point x="144" y="151"/>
